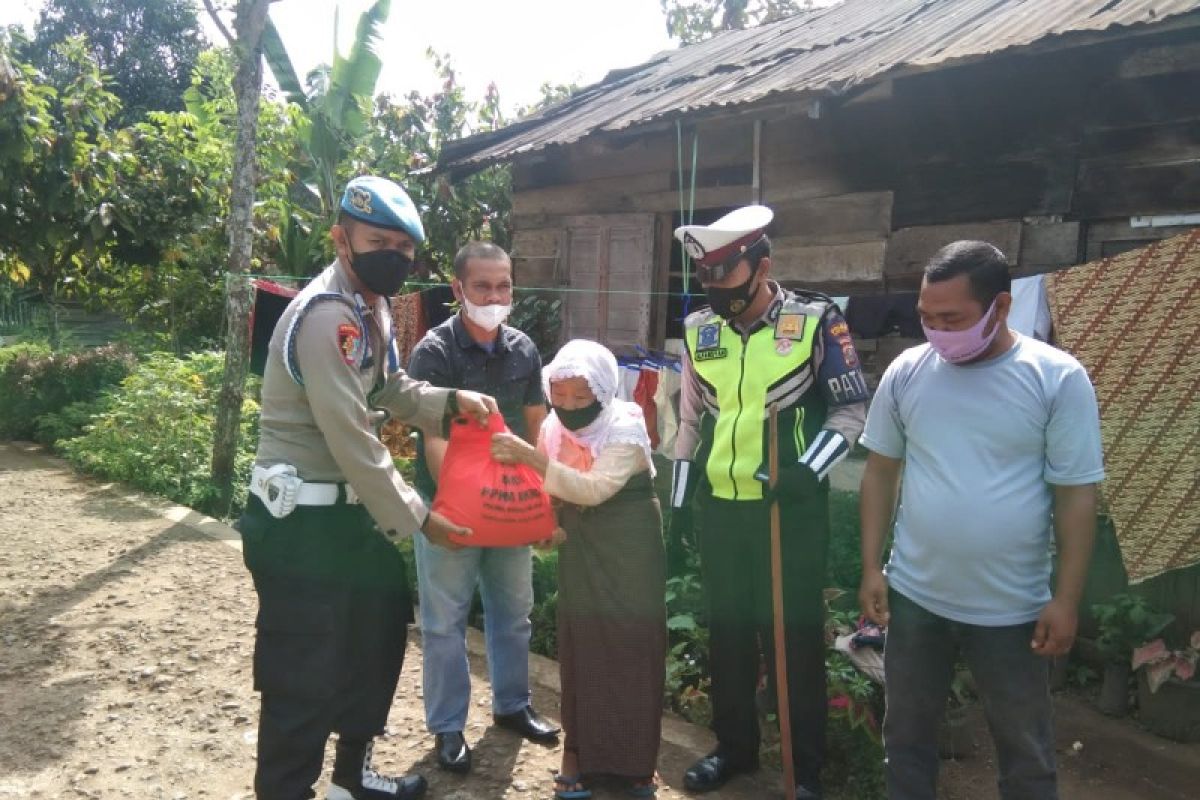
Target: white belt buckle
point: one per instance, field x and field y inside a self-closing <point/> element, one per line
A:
<point x="278" y="487"/>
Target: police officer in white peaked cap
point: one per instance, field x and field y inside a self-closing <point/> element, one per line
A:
<point x="758" y="345"/>
<point x="326" y="504"/>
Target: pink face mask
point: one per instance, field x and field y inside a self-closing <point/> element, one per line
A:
<point x="958" y="347"/>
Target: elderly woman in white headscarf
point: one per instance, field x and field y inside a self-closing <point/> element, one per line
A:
<point x="594" y="453"/>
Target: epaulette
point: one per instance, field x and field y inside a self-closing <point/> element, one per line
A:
<point x="812" y="304"/>
<point x="700" y="316"/>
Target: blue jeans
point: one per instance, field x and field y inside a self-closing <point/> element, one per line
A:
<point x="1013" y="684"/>
<point x="446" y="582"/>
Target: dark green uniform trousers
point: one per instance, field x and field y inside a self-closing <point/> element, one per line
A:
<point x="735" y="552"/>
<point x="332" y="621"/>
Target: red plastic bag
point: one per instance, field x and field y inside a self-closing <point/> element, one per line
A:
<point x="502" y="504"/>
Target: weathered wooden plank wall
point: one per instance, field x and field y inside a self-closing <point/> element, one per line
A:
<point x="1048" y="156"/>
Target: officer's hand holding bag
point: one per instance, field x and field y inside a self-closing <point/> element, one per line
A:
<point x="437" y="528"/>
<point x="500" y="498"/>
<point x="440" y="531"/>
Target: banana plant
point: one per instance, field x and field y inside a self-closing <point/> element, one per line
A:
<point x="336" y="99"/>
<point x="300" y="243"/>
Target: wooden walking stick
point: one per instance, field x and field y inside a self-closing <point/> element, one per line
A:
<point x="781" y="682"/>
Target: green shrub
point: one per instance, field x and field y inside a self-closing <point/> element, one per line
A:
<point x="68" y="423"/>
<point x="1127" y="621"/>
<point x="845" y="553"/>
<point x="35" y="382"/>
<point x="539" y="317"/>
<point x="543" y="639"/>
<point x="22" y="349"/>
<point x="156" y="431"/>
<point x="855" y="746"/>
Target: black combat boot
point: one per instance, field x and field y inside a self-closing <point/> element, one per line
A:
<point x="355" y="779"/>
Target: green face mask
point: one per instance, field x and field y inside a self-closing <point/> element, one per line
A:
<point x="575" y="418"/>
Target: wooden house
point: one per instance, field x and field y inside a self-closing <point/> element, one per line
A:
<point x="1063" y="131"/>
<point x="878" y="130"/>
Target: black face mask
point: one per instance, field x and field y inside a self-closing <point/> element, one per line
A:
<point x="382" y="271"/>
<point x="575" y="418"/>
<point x="729" y="302"/>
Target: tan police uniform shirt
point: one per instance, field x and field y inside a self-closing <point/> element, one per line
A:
<point x="324" y="427"/>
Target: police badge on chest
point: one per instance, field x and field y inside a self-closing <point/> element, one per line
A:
<point x="708" y="343"/>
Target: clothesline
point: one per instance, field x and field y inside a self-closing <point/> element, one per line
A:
<point x="425" y="286"/>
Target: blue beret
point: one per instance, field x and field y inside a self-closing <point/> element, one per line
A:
<point x="382" y="203"/>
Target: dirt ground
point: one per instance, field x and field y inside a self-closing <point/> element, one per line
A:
<point x="125" y="644"/>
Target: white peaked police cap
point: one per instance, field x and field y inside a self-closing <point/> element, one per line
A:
<point x="727" y="237"/>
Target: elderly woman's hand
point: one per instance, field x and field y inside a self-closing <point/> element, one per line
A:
<point x="558" y="537"/>
<point x="508" y="448"/>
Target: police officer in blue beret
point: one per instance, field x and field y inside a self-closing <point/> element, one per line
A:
<point x="326" y="504"/>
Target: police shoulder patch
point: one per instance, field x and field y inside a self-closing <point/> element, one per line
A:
<point x="349" y="339"/>
<point x="849" y="354"/>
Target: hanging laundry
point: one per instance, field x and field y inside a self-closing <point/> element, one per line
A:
<point x="631" y="373"/>
<point x="666" y="402"/>
<point x="874" y="315"/>
<point x="1131" y="321"/>
<point x="408" y="321"/>
<point x="1030" y="312"/>
<point x="643" y="395"/>
<point x="270" y="301"/>
<point x="437" y="301"/>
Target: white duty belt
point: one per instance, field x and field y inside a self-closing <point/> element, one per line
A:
<point x="281" y="489"/>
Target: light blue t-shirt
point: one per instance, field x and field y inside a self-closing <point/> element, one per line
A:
<point x="982" y="445"/>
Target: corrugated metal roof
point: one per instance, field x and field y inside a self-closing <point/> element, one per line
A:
<point x="825" y="51"/>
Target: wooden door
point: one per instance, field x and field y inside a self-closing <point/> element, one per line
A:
<point x="611" y="280"/>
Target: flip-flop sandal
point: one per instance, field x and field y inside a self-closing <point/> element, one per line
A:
<point x="568" y="792"/>
<point x="639" y="789"/>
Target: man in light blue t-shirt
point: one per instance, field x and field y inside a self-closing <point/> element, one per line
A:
<point x="998" y="439"/>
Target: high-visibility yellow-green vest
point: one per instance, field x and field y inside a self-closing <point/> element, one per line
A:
<point x="741" y="378"/>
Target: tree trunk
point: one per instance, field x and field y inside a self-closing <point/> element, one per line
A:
<point x="49" y="290"/>
<point x="247" y="86"/>
<point x="53" y="326"/>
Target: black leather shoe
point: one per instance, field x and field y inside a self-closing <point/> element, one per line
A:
<point x="528" y="723"/>
<point x="453" y="755"/>
<point x="712" y="771"/>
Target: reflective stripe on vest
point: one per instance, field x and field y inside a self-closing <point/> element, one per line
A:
<point x="746" y="377"/>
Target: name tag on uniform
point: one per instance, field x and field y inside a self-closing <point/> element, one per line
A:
<point x="708" y="343"/>
<point x="790" y="326"/>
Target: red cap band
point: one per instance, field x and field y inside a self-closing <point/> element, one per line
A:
<point x="721" y="254"/>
